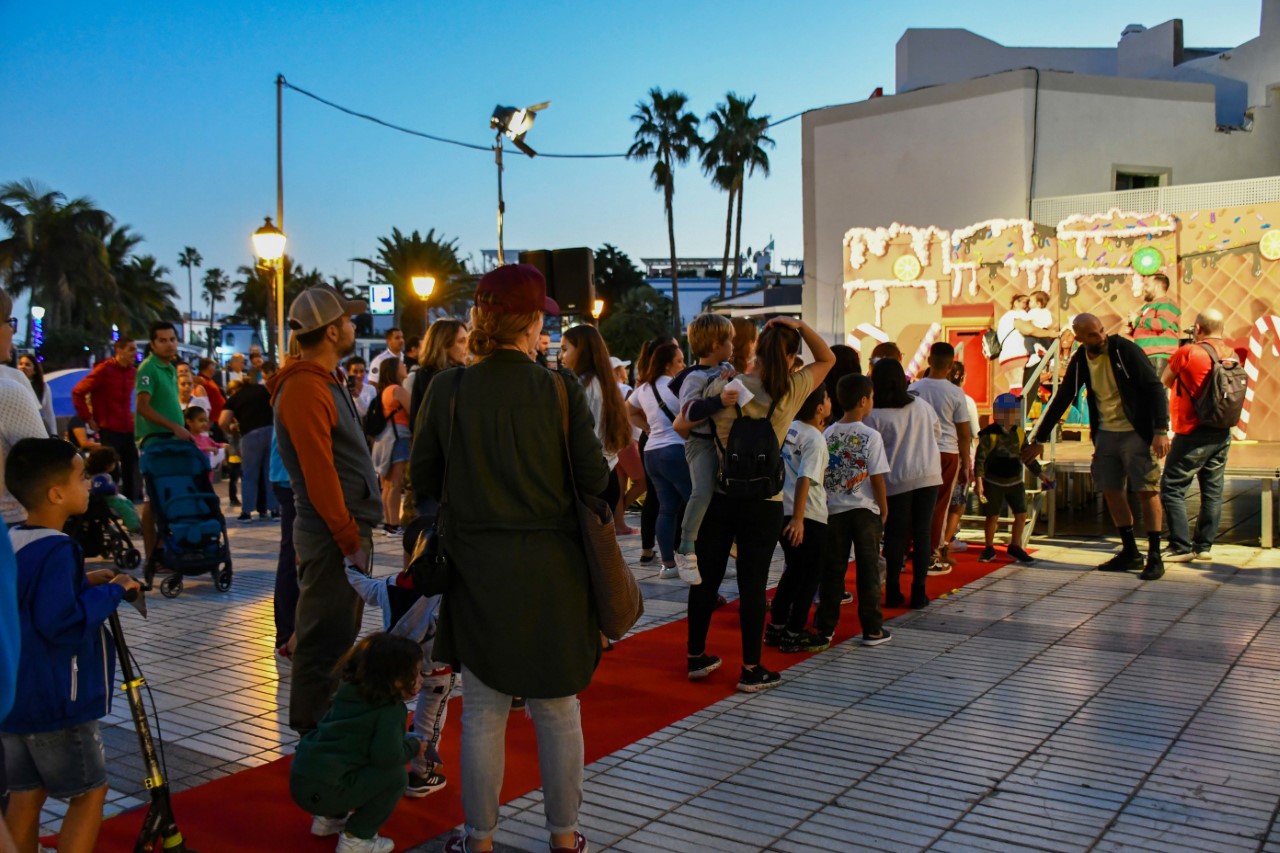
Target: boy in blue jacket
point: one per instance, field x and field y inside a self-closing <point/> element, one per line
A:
<point x="67" y="663"/>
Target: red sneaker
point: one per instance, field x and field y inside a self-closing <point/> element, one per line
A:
<point x="579" y="845"/>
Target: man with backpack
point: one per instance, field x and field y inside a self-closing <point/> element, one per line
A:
<point x="1208" y="384"/>
<point x="1128" y="420"/>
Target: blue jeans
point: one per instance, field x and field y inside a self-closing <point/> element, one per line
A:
<point x="255" y="462"/>
<point x="670" y="474"/>
<point x="558" y="723"/>
<point x="1201" y="455"/>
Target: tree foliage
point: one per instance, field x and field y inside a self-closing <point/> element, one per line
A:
<point x="641" y="314"/>
<point x="400" y="258"/>
<point x="734" y="151"/>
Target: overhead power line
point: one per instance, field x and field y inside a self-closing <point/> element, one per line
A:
<point x="473" y="146"/>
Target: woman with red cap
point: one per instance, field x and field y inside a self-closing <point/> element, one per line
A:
<point x="517" y="618"/>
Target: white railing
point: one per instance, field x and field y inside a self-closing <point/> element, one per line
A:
<point x="1172" y="199"/>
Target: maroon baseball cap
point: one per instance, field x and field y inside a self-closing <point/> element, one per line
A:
<point x="515" y="289"/>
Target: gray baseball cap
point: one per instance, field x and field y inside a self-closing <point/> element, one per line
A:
<point x="317" y="307"/>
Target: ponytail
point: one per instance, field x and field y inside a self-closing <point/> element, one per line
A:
<point x="774" y="355"/>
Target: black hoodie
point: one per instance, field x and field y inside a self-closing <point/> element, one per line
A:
<point x="1144" y="398"/>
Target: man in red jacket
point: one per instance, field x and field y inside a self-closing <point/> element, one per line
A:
<point x="104" y="401"/>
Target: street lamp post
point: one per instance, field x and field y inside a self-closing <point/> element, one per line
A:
<point x="424" y="285"/>
<point x="268" y="244"/>
<point x="514" y="124"/>
<point x="37" y="330"/>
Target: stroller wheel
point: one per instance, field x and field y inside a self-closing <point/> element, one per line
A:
<point x="171" y="587"/>
<point x="222" y="580"/>
<point x="120" y="560"/>
<point x="132" y="558"/>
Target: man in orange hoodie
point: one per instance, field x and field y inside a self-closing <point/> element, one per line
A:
<point x="322" y="444"/>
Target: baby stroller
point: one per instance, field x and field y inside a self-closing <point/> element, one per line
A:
<point x="101" y="533"/>
<point x="192" y="533"/>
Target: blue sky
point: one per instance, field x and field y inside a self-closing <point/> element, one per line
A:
<point x="164" y="113"/>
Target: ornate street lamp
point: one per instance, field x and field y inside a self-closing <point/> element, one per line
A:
<point x="268" y="244"/>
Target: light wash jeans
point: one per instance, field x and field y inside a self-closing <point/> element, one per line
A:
<point x="700" y="455"/>
<point x="255" y="465"/>
<point x="558" y="723"/>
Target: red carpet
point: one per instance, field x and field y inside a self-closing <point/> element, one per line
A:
<point x="639" y="688"/>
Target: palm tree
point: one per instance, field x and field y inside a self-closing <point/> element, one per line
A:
<point x="189" y="258"/>
<point x="667" y="134"/>
<point x="400" y="258"/>
<point x="734" y="151"/>
<point x="55" y="253"/>
<point x="145" y="295"/>
<point x="216" y="283"/>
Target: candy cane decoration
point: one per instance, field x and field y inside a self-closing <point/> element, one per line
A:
<point x="922" y="351"/>
<point x="1257" y="334"/>
<point x="854" y="338"/>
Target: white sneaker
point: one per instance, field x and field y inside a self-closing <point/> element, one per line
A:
<point x="730" y="572"/>
<point x="957" y="545"/>
<point x="377" y="844"/>
<point x="687" y="567"/>
<point x="323" y="826"/>
<point x="666" y="573"/>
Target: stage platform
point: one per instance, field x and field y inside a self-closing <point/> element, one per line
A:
<point x="1258" y="462"/>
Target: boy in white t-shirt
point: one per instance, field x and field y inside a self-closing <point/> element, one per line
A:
<point x="804" y="528"/>
<point x="857" y="506"/>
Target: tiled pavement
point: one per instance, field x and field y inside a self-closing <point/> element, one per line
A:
<point x="1047" y="708"/>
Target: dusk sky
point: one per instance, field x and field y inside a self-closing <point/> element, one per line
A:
<point x="164" y="114"/>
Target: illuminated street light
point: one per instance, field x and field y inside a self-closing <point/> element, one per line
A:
<point x="597" y="308"/>
<point x="37" y="312"/>
<point x="423" y="285"/>
<point x="268" y="243"/>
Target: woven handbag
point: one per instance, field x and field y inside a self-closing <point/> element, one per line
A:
<point x="619" y="603"/>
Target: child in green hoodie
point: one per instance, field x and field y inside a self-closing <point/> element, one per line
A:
<point x="350" y="771"/>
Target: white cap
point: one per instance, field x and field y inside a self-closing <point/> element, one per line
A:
<point x="617" y="362"/>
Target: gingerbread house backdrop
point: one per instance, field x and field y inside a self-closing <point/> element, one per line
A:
<point x="920" y="284"/>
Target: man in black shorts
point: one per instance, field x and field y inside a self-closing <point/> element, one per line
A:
<point x="1129" y="422"/>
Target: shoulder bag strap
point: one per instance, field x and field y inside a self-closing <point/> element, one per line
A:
<point x="657" y="396"/>
<point x="562" y="396"/>
<point x="448" y="449"/>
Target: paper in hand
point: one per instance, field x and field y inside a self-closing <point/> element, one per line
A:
<point x="744" y="396"/>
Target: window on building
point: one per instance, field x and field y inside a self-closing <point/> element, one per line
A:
<point x="1139" y="180"/>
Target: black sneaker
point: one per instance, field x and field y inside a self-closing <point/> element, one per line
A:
<point x="1154" y="569"/>
<point x="988" y="555"/>
<point x="244" y="518"/>
<point x="518" y="703"/>
<point x="894" y="598"/>
<point x="773" y="635"/>
<point x="755" y="680"/>
<point x="919" y="601"/>
<point x="1020" y="555"/>
<point x="808" y="641"/>
<point x="235" y="502"/>
<point x="884" y="637"/>
<point x="1124" y="562"/>
<point x="420" y="786"/>
<point x="846" y="598"/>
<point x="702" y="666"/>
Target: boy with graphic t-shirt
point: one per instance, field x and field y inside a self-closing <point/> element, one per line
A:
<point x="804" y="529"/>
<point x="857" y="506"/>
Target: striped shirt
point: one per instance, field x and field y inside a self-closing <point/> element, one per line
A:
<point x="1157" y="329"/>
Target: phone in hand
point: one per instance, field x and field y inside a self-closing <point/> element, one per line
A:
<point x="351" y="384"/>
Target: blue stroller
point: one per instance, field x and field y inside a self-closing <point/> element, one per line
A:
<point x="192" y="533"/>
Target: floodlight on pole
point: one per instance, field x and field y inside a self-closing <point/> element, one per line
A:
<point x="37" y="312"/>
<point x="597" y="308"/>
<point x="514" y="124"/>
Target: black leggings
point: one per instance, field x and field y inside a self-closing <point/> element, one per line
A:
<point x="755" y="525"/>
<point x="910" y="522"/>
<point x="799" y="582"/>
<point x="612" y="491"/>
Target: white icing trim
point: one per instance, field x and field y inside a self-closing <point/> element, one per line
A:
<point x="997" y="226"/>
<point x="876" y="240"/>
<point x="880" y="287"/>
<point x="1071" y="275"/>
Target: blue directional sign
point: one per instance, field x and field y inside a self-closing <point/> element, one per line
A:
<point x="382" y="299"/>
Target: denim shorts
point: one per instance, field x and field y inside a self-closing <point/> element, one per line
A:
<point x="66" y="763"/>
<point x="1123" y="456"/>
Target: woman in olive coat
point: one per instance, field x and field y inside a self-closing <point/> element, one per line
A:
<point x="518" y="618"/>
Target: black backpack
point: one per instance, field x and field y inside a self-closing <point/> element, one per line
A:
<point x="1222" y="395"/>
<point x="751" y="460"/>
<point x="375" y="419"/>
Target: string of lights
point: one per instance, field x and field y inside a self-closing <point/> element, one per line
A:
<point x="473" y="146"/>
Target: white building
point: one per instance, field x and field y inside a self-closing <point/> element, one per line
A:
<point x="978" y="130"/>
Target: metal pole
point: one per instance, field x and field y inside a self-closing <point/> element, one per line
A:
<point x="280" y="342"/>
<point x="497" y="156"/>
